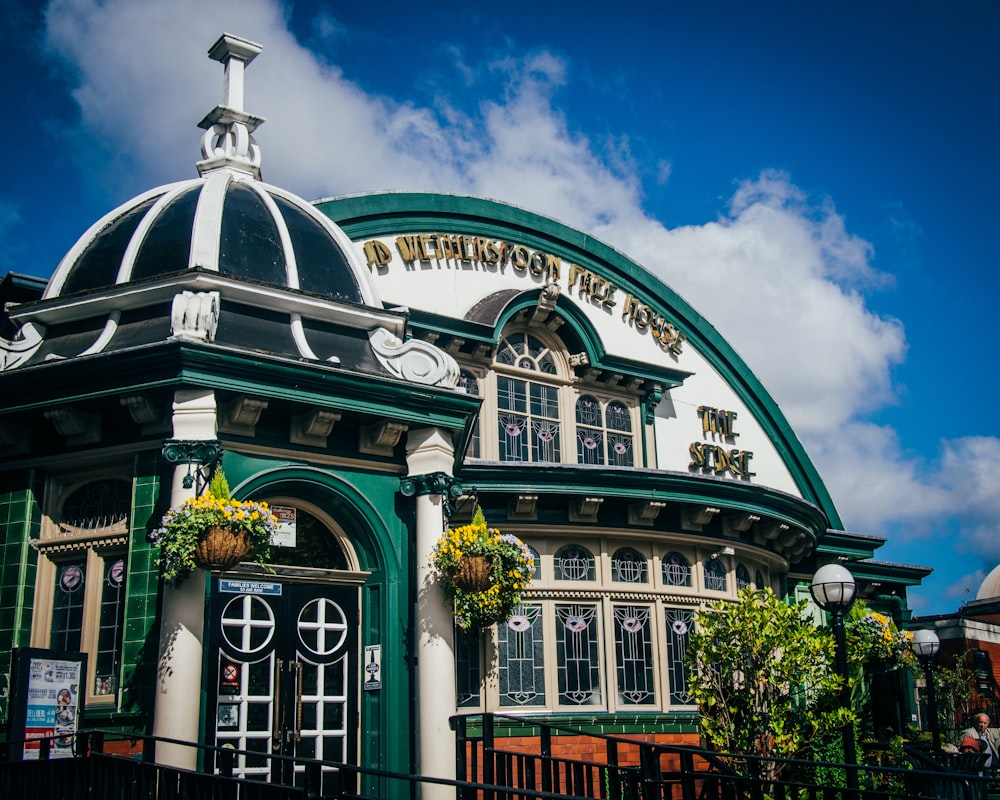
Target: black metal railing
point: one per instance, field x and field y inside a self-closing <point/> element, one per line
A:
<point x="621" y="768"/>
<point x="497" y="758"/>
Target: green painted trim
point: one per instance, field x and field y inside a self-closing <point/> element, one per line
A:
<point x="643" y="484"/>
<point x="168" y="365"/>
<point x="597" y="723"/>
<point x="373" y="215"/>
<point x="364" y="505"/>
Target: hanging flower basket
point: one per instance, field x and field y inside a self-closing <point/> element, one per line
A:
<point x="221" y="549"/>
<point x="213" y="532"/>
<point x="482" y="572"/>
<point x="473" y="574"/>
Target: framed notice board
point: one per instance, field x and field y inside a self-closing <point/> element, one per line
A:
<point x="46" y="700"/>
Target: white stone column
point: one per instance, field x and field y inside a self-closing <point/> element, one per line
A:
<point x="177" y="710"/>
<point x="430" y="457"/>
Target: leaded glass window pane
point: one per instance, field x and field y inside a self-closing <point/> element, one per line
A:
<point x="468" y="382"/>
<point x="574" y="563"/>
<point x="512" y="403"/>
<point x="634" y="655"/>
<point x="619" y="450"/>
<point x="742" y="577"/>
<point x="715" y="575"/>
<point x="109" y="635"/>
<point x="589" y="431"/>
<point x="527" y="413"/>
<point x="525" y="352"/>
<point x="467" y="667"/>
<point x="678" y="622"/>
<point x="578" y="655"/>
<point x="67" y="604"/>
<point x="676" y="570"/>
<point x="628" y="566"/>
<point x="618" y="417"/>
<point x="588" y="412"/>
<point x="520" y="667"/>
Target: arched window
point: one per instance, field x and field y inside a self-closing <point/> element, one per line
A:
<point x="742" y="577"/>
<point x="628" y="566"/>
<point x="573" y="563"/>
<point x="86" y="565"/>
<point x="676" y="570"/>
<point x="715" y="575"/>
<point x="758" y="579"/>
<point x="527" y="408"/>
<point x="603" y="435"/>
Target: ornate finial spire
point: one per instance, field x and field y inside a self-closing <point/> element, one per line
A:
<point x="227" y="142"/>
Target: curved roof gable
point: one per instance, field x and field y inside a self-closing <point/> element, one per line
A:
<point x="368" y="217"/>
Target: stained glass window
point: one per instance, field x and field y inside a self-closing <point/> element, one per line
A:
<point x="634" y="655"/>
<point x="678" y="627"/>
<point x="676" y="570"/>
<point x="574" y="563"/>
<point x="715" y="575"/>
<point x="578" y="655"/>
<point x="520" y="665"/>
<point x="628" y="566"/>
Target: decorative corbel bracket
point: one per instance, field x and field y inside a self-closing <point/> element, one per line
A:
<point x="313" y="427"/>
<point x="645" y="512"/>
<point x="242" y="415"/>
<point x="585" y="509"/>
<point x="380" y="438"/>
<point x="523" y="508"/>
<point x="695" y="519"/>
<point x="735" y="524"/>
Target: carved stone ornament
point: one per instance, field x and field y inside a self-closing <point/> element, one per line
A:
<point x="414" y="360"/>
<point x="195" y="315"/>
<point x="14" y="352"/>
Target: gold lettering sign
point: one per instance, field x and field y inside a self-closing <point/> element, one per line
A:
<point x="496" y="255"/>
<point x="718" y="424"/>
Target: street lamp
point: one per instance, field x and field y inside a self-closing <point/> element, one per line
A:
<point x="926" y="645"/>
<point x="833" y="588"/>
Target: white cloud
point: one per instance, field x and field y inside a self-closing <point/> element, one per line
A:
<point x="778" y="273"/>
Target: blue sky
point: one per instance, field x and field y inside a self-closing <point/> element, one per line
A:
<point x="819" y="180"/>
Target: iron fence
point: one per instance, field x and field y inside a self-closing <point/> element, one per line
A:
<point x="497" y="758"/>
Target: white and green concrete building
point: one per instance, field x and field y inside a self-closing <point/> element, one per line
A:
<point x="374" y="364"/>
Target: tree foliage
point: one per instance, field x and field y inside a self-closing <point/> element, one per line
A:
<point x="764" y="677"/>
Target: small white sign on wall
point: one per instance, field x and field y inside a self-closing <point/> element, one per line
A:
<point x="285" y="535"/>
<point x="373" y="667"/>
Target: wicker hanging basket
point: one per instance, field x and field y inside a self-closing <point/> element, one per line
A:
<point x="474" y="574"/>
<point x="221" y="549"/>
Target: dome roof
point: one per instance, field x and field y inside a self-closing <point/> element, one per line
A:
<point x="226" y="221"/>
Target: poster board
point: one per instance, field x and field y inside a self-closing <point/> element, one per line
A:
<point x="46" y="700"/>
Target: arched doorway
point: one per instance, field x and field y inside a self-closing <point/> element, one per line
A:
<point x="283" y="653"/>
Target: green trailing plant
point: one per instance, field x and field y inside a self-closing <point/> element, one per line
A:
<point x="489" y="593"/>
<point x="183" y="528"/>
<point x="764" y="678"/>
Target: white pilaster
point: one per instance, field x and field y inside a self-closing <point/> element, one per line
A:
<point x="429" y="451"/>
<point x="177" y="708"/>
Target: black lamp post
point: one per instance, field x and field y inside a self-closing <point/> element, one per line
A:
<point x="926" y="645"/>
<point x="833" y="588"/>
